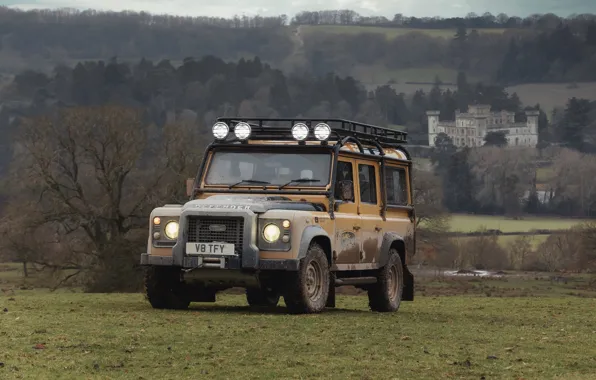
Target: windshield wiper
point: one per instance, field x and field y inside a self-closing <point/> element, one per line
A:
<point x="299" y="180"/>
<point x="249" y="181"/>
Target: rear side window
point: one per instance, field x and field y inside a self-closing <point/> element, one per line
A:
<point x="344" y="173"/>
<point x="397" y="191"/>
<point x="368" y="183"/>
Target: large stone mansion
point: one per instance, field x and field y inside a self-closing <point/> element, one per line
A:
<point x="470" y="128"/>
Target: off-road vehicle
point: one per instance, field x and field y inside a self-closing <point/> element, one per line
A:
<point x="292" y="208"/>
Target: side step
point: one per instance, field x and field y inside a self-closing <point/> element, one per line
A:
<point x="355" y="281"/>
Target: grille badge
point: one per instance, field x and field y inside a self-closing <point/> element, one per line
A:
<point x="217" y="227"/>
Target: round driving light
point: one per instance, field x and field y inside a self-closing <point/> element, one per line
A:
<point x="156" y="235"/>
<point x="242" y="130"/>
<point x="285" y="238"/>
<point x="157" y="220"/>
<point x="300" y="131"/>
<point x="171" y="230"/>
<point x="220" y="130"/>
<point x="322" y="131"/>
<point x="286" y="224"/>
<point x="271" y="233"/>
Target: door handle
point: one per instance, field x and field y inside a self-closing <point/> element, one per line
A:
<point x="378" y="229"/>
<point x="356" y="228"/>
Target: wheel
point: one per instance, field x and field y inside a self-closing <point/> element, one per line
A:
<point x="262" y="297"/>
<point x="307" y="289"/>
<point x="164" y="290"/>
<point x="386" y="294"/>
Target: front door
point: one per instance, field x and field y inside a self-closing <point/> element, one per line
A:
<point x="347" y="222"/>
<point x="369" y="208"/>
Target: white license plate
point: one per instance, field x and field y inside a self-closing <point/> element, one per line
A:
<point x="210" y="249"/>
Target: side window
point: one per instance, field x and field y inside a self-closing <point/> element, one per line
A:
<point x="397" y="193"/>
<point x="368" y="184"/>
<point x="344" y="173"/>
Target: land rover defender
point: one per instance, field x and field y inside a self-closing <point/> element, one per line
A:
<point x="289" y="208"/>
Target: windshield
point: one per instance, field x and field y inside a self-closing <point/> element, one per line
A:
<point x="276" y="169"/>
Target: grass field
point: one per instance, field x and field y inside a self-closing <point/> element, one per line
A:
<point x="70" y="335"/>
<point x="505" y="241"/>
<point x="388" y="32"/>
<point x="470" y="223"/>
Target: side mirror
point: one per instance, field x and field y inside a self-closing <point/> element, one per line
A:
<point x="346" y="191"/>
<point x="189" y="186"/>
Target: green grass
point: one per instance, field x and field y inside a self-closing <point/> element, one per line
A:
<point x="505" y="241"/>
<point x="388" y="32"/>
<point x="120" y="336"/>
<point x="544" y="174"/>
<point x="470" y="223"/>
<point x="550" y="95"/>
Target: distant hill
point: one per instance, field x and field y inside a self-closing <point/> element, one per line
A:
<point x="407" y="52"/>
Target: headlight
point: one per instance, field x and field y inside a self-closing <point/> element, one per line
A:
<point x="242" y="131"/>
<point x="171" y="230"/>
<point x="271" y="233"/>
<point x="322" y="131"/>
<point x="300" y="131"/>
<point x="220" y="130"/>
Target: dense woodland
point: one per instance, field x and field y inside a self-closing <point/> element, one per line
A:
<point x="539" y="48"/>
<point x="198" y="91"/>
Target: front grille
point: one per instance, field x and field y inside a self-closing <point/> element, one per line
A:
<point x="199" y="230"/>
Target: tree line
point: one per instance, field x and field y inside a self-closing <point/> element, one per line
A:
<point x="323" y="17"/>
<point x="200" y="90"/>
<point x="543" y="48"/>
<point x="471" y="20"/>
<point x="512" y="57"/>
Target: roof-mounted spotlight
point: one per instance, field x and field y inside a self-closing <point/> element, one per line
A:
<point x="242" y="130"/>
<point x="322" y="131"/>
<point x="220" y="130"/>
<point x="300" y="131"/>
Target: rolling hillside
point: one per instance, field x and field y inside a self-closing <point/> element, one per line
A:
<point x="548" y="95"/>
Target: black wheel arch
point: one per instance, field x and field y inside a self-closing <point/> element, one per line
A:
<point x="392" y="240"/>
<point x="318" y="235"/>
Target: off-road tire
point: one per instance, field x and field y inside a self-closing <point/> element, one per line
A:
<point x="386" y="294"/>
<point x="307" y="290"/>
<point x="164" y="290"/>
<point x="262" y="297"/>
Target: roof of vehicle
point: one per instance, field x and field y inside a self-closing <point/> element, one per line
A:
<point x="350" y="136"/>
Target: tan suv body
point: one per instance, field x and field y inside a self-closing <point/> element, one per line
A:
<point x="281" y="216"/>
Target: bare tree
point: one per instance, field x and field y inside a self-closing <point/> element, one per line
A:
<point x="505" y="175"/>
<point x="573" y="178"/>
<point x="520" y="249"/>
<point x="82" y="184"/>
<point x="559" y="251"/>
<point x="483" y="252"/>
<point x="432" y="220"/>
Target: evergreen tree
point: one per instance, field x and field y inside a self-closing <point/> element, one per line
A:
<point x="572" y="126"/>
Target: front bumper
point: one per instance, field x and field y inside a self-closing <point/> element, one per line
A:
<point x="247" y="259"/>
<point x="199" y="262"/>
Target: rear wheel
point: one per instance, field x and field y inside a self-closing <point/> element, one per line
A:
<point x="164" y="290"/>
<point x="386" y="294"/>
<point x="262" y="297"/>
<point x="307" y="289"/>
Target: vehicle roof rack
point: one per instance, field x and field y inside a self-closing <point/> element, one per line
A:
<point x="279" y="129"/>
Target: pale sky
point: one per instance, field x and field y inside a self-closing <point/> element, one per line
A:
<point x="387" y="8"/>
